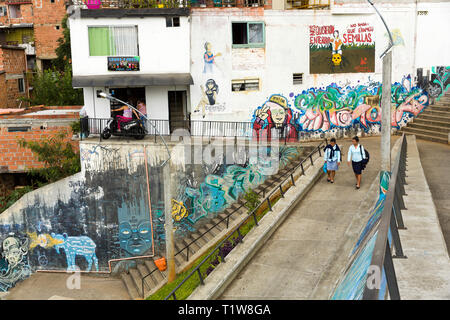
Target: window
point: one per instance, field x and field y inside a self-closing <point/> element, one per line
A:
<point x="3" y="11"/>
<point x="21" y="84"/>
<point x="245" y="85"/>
<point x="57" y="27"/>
<point x="248" y="34"/>
<point x="297" y="78"/>
<point x="14" y="11"/>
<point x="172" y="22"/>
<point x="113" y="41"/>
<point x="19" y="129"/>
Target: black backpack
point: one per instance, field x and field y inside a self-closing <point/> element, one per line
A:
<point x="365" y="160"/>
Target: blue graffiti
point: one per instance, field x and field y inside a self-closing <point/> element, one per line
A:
<point x="76" y="246"/>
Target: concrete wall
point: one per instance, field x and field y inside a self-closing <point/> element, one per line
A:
<point x="114" y="207"/>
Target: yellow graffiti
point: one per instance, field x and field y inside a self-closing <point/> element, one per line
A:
<point x="43" y="240"/>
<point x="179" y="211"/>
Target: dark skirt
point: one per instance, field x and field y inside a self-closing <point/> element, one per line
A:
<point x="357" y="167"/>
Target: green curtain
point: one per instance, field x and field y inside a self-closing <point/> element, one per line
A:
<point x="101" y="42"/>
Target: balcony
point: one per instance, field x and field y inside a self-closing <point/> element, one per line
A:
<point x="308" y="4"/>
<point x="10" y="2"/>
<point x="144" y="4"/>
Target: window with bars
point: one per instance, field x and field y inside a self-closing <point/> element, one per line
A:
<point x="113" y="41"/>
<point x="248" y="34"/>
<point x="245" y="85"/>
<point x="297" y="78"/>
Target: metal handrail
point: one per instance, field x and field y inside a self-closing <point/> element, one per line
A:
<point x="391" y="219"/>
<point x="251" y="214"/>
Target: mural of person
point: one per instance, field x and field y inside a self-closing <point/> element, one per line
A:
<point x="336" y="43"/>
<point x="274" y="114"/>
<point x="208" y="58"/>
<point x="336" y="49"/>
<point x="209" y="96"/>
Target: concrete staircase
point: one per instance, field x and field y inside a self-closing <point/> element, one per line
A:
<point x="132" y="278"/>
<point x="433" y="123"/>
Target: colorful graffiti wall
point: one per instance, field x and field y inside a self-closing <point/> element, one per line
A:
<point x="337" y="109"/>
<point x="114" y="208"/>
<point x="342" y="49"/>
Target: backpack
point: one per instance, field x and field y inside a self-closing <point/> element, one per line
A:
<point x="365" y="159"/>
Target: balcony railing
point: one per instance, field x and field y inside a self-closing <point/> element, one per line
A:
<point x="309" y="4"/>
<point x="18" y="1"/>
<point x="137" y="4"/>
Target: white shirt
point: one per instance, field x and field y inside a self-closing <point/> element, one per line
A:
<point x="83" y="112"/>
<point x="354" y="154"/>
<point x="336" y="156"/>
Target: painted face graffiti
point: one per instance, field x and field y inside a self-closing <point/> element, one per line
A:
<point x="274" y="114"/>
<point x="135" y="237"/>
<point x="14" y="265"/>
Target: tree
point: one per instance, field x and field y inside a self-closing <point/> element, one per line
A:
<point x="63" y="52"/>
<point x="58" y="155"/>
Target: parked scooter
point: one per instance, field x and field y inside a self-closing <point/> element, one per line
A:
<point x="133" y="128"/>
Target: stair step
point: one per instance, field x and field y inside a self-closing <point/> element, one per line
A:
<point x="440" y="107"/>
<point x="193" y="246"/>
<point x="158" y="276"/>
<point x="137" y="280"/>
<point x="434" y="117"/>
<point x="444" y="129"/>
<point x="215" y="231"/>
<point x="434" y="112"/>
<point x="428" y="137"/>
<point x="129" y="284"/>
<point x="207" y="233"/>
<point x="442" y="135"/>
<point x="431" y="122"/>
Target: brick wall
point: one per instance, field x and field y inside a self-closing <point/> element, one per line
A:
<point x="46" y="19"/>
<point x="13" y="62"/>
<point x="13" y="158"/>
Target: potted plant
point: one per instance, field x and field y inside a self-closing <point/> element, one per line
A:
<point x="93" y="4"/>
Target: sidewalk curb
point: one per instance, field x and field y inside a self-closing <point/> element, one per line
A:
<point x="225" y="273"/>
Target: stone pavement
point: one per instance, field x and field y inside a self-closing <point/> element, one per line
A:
<point x="52" y="286"/>
<point x="435" y="159"/>
<point x="306" y="255"/>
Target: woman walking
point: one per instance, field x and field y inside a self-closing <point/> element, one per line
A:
<point x="332" y="157"/>
<point x="356" y="155"/>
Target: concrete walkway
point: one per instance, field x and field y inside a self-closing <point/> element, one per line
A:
<point x="435" y="159"/>
<point x="425" y="274"/>
<point x="52" y="286"/>
<point x="306" y="255"/>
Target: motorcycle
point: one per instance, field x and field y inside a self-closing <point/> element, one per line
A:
<point x="133" y="128"/>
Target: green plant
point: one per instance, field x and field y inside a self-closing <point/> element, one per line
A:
<point x="252" y="199"/>
<point x="76" y="126"/>
<point x="11" y="198"/>
<point x="63" y="52"/>
<point x="57" y="153"/>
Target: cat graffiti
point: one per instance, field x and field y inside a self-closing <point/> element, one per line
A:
<point x="76" y="246"/>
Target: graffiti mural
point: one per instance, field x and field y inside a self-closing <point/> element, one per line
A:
<point x="14" y="265"/>
<point x="440" y="82"/>
<point x="337" y="107"/>
<point x="209" y="98"/>
<point x="209" y="58"/>
<point x="76" y="246"/>
<point x="345" y="49"/>
<point x="275" y="114"/>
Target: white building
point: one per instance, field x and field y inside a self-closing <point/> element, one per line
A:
<point x="240" y="57"/>
<point x="156" y="42"/>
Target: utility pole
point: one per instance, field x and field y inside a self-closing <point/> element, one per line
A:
<point x="385" y="100"/>
<point x="386" y="113"/>
<point x="168" y="225"/>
